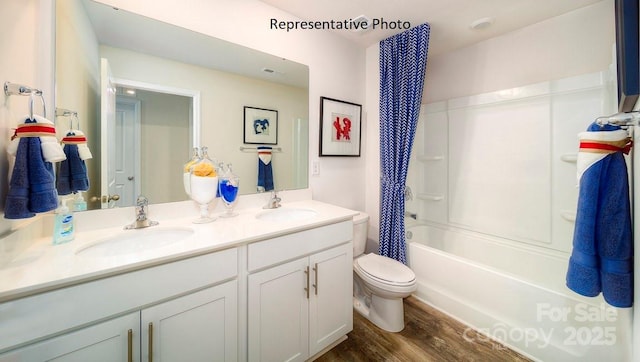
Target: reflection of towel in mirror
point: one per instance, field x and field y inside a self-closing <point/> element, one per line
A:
<point x="265" y="171"/>
<point x="31" y="186"/>
<point x="72" y="173"/>
<point x="602" y="256"/>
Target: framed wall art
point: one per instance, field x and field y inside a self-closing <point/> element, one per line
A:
<point x="260" y="126"/>
<point x="340" y="130"/>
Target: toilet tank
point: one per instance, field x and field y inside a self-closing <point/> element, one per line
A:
<point x="360" y="226"/>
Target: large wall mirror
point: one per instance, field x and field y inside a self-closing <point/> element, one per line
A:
<point x="174" y="89"/>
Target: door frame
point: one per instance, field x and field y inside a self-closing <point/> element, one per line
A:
<point x="194" y="122"/>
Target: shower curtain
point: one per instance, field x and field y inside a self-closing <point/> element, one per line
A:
<point x="403" y="58"/>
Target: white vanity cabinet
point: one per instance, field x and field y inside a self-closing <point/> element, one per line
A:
<point x="299" y="293"/>
<point x="113" y="340"/>
<point x="184" y="310"/>
<point x="196" y="327"/>
<point x="201" y="326"/>
<point x="267" y="291"/>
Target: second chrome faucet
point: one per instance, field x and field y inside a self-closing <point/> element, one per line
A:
<point x="274" y="201"/>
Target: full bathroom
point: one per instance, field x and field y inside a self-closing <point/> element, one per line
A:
<point x="291" y="270"/>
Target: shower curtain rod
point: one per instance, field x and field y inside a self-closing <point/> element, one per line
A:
<point x="623" y="119"/>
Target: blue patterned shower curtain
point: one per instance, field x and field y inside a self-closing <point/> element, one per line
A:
<point x="403" y="59"/>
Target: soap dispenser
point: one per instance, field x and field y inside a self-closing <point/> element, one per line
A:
<point x="78" y="202"/>
<point x="63" y="224"/>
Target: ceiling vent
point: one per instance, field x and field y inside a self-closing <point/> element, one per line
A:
<point x="482" y="23"/>
<point x="363" y="24"/>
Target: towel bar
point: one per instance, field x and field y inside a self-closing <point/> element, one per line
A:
<point x="255" y="149"/>
<point x="429" y="197"/>
<point x="430" y="158"/>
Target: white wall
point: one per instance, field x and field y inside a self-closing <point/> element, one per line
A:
<point x="26" y="41"/>
<point x="336" y="71"/>
<point x="574" y="43"/>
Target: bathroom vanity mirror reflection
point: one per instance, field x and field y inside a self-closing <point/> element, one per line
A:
<point x="174" y="89"/>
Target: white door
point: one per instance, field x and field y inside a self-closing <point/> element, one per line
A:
<point x="197" y="327"/>
<point x="278" y="313"/>
<point x="331" y="302"/>
<point x="114" y="340"/>
<point x="127" y="152"/>
<point x="107" y="134"/>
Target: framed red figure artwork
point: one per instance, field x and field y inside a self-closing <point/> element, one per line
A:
<point x="340" y="127"/>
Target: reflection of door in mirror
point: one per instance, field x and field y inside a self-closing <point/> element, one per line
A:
<point x="127" y="148"/>
<point x="154" y="130"/>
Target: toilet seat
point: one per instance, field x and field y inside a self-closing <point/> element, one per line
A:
<point x="385" y="270"/>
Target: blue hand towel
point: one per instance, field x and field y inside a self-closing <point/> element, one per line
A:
<point x="17" y="203"/>
<point x="72" y="173"/>
<point x="31" y="188"/>
<point x="602" y="256"/>
<point x="265" y="170"/>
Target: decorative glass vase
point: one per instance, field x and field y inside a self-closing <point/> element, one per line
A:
<point x="203" y="183"/>
<point x="186" y="170"/>
<point x="229" y="185"/>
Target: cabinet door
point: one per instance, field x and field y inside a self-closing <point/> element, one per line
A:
<point x="202" y="326"/>
<point x="117" y="339"/>
<point x="278" y="313"/>
<point x="331" y="302"/>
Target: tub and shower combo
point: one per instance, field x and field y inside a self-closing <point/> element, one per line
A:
<point x="495" y="213"/>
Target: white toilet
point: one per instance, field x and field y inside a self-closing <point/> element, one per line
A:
<point x="379" y="283"/>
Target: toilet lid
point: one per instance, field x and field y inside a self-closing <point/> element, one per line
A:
<point x="386" y="269"/>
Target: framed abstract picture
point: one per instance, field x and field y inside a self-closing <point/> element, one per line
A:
<point x="260" y="126"/>
<point x="340" y="131"/>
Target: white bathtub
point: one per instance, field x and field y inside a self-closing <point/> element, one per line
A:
<point x="515" y="294"/>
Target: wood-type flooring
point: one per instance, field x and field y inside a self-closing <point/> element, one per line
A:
<point x="429" y="335"/>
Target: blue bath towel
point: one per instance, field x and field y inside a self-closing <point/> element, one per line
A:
<point x="72" y="173"/>
<point x="602" y="256"/>
<point x="31" y="188"/>
<point x="265" y="170"/>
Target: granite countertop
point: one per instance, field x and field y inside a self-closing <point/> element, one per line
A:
<point x="42" y="266"/>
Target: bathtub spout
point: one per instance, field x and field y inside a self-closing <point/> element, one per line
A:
<point x="412" y="215"/>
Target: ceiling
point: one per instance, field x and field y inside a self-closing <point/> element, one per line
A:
<point x="449" y="19"/>
<point x="122" y="29"/>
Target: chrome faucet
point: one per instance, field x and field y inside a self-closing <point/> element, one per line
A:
<point x="274" y="201"/>
<point x="142" y="221"/>
<point x="412" y="215"/>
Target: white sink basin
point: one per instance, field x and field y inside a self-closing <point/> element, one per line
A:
<point x="286" y="214"/>
<point x="135" y="240"/>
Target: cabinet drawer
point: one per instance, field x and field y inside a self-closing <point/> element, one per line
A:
<point x="37" y="316"/>
<point x="288" y="247"/>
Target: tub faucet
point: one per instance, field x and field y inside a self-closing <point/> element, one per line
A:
<point x="412" y="215"/>
<point x="274" y="201"/>
<point x="142" y="220"/>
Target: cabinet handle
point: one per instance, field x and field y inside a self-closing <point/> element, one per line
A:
<point x="306" y="289"/>
<point x="150" y="344"/>
<point x="315" y="270"/>
<point x="130" y="345"/>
